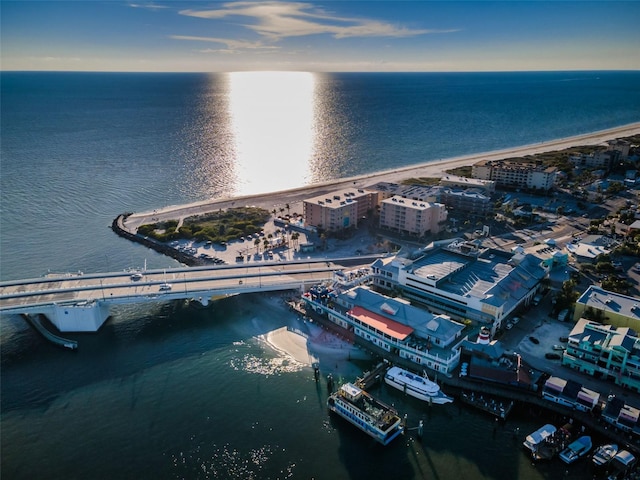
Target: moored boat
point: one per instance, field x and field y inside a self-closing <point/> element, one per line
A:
<point x="604" y="454"/>
<point x="417" y="386"/>
<point x="370" y="415"/>
<point x="554" y="443"/>
<point x="537" y="438"/>
<point x="576" y="449"/>
<point x="621" y="465"/>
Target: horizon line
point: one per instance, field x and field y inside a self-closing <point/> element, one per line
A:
<point x="320" y="71"/>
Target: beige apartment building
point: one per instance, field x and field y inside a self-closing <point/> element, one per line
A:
<point x="339" y="210"/>
<point x="412" y="217"/>
<point x="515" y="174"/>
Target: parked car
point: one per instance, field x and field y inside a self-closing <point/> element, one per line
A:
<point x="552" y="356"/>
<point x="564" y="339"/>
<point x="559" y="347"/>
<point x="509" y="326"/>
<point x="534" y="340"/>
<point x="515" y="320"/>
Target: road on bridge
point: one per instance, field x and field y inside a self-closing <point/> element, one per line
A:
<point x="184" y="282"/>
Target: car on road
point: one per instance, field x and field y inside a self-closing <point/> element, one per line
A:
<point x="165" y="287"/>
<point x="534" y="340"/>
<point x="136" y="276"/>
<point x="552" y="356"/>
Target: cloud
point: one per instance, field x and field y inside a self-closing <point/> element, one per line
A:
<point x="276" y="20"/>
<point x="149" y="6"/>
<point x="230" y="43"/>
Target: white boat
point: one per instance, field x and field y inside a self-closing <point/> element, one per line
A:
<point x="417" y="386"/>
<point x="604" y="454"/>
<point x="621" y="464"/>
<point x="576" y="449"/>
<point x="370" y="415"/>
<point x="537" y="438"/>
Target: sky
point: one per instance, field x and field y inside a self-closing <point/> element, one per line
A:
<point x="319" y="36"/>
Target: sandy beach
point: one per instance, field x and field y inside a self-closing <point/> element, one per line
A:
<point x="431" y="169"/>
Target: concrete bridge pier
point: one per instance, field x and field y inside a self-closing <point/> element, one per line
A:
<point x="79" y="317"/>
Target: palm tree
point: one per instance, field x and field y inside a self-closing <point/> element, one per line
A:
<point x="256" y="242"/>
<point x="294" y="238"/>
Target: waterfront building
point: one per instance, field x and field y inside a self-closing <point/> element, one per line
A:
<point x="619" y="145"/>
<point x="339" y="210"/>
<point x="604" y="351"/>
<point x="570" y="394"/>
<point x="603" y="160"/>
<point x="468" y="195"/>
<point x="393" y="324"/>
<point x="623" y="416"/>
<point x="418" y="193"/>
<point x="455" y="181"/>
<point x="462" y="280"/>
<point x="512" y="173"/>
<point x="489" y="362"/>
<point x="412" y="217"/>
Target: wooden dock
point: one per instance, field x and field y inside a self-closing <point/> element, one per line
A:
<point x="493" y="405"/>
<point x="372" y="377"/>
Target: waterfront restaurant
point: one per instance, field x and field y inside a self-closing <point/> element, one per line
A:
<point x="394" y="325"/>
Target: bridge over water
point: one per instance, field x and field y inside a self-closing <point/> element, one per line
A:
<point x="80" y="302"/>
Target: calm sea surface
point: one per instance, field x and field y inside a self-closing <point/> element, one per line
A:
<point x="170" y="391"/>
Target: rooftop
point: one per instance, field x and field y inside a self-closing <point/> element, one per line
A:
<point x="601" y="299"/>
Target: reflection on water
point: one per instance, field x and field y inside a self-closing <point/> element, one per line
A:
<point x="272" y="118"/>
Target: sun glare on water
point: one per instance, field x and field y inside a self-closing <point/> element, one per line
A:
<point x="272" y="118"/>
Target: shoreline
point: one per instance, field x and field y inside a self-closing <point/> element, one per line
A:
<point x="435" y="168"/>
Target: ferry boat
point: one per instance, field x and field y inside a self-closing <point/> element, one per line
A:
<point x="537" y="438"/>
<point x="417" y="386"/>
<point x="576" y="449"/>
<point x="373" y="417"/>
<point x="604" y="454"/>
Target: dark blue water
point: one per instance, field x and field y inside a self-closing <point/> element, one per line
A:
<point x="167" y="391"/>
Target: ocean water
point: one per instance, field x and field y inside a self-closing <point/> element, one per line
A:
<point x="169" y="391"/>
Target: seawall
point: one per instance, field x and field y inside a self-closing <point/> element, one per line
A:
<point x="118" y="227"/>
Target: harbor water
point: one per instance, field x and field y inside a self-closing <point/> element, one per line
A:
<point x="174" y="391"/>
